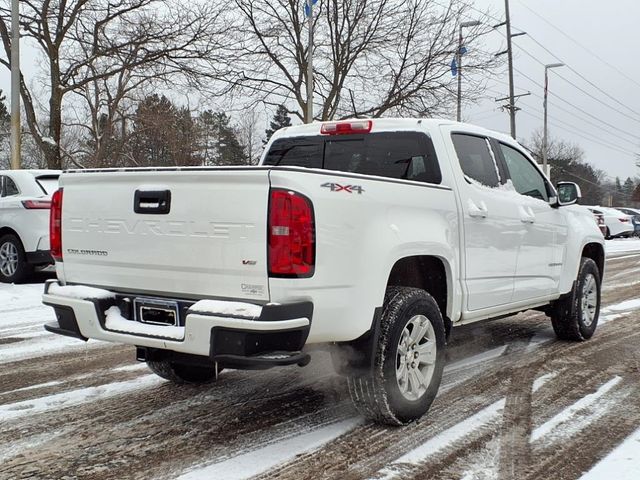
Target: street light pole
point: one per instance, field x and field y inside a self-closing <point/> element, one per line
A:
<point x="544" y="134"/>
<point x="15" y="85"/>
<point x="471" y="23"/>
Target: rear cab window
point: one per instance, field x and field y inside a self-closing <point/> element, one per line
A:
<point x="398" y="155"/>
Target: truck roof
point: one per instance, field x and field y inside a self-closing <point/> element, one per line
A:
<point x="393" y="124"/>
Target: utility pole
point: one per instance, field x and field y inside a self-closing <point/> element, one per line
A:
<point x="471" y="23"/>
<point x="15" y="85"/>
<point x="309" y="116"/>
<point x="544" y="135"/>
<point x="512" y="104"/>
<point x="511" y="107"/>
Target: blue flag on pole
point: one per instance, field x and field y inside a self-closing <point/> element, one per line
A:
<point x="307" y="7"/>
<point x="454" y="63"/>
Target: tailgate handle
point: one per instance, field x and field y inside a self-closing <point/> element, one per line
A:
<point x="154" y="202"/>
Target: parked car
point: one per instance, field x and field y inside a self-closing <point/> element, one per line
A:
<point x="372" y="237"/>
<point x="618" y="224"/>
<point x="635" y="218"/>
<point x="598" y="216"/>
<point x="25" y="199"/>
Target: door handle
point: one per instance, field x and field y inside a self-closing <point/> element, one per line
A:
<point x="154" y="202"/>
<point x="476" y="211"/>
<point x="527" y="215"/>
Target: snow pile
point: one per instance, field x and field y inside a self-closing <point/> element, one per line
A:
<point x="622" y="245"/>
<point x="80" y="292"/>
<point x="234" y="309"/>
<point x="117" y="323"/>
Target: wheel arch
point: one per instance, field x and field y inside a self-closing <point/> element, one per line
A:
<point x="595" y="251"/>
<point x="10" y="231"/>
<point x="427" y="272"/>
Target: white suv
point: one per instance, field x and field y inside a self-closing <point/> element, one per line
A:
<point x="25" y="200"/>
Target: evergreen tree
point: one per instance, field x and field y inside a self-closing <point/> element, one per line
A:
<point x="280" y="120"/>
<point x="163" y="134"/>
<point x="5" y="132"/>
<point x="218" y="140"/>
<point x="627" y="189"/>
<point x="5" y="118"/>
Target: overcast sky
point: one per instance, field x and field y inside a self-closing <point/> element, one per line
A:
<point x="608" y="132"/>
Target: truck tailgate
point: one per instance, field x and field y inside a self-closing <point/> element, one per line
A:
<point x="210" y="243"/>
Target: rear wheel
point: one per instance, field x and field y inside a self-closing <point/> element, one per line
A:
<point x="575" y="316"/>
<point x="13" y="260"/>
<point x="409" y="360"/>
<point x="181" y="373"/>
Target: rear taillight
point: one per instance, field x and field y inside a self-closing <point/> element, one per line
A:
<point x="292" y="249"/>
<point x="36" y="204"/>
<point x="624" y="220"/>
<point x="55" y="226"/>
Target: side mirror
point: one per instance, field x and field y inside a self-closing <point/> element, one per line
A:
<point x="568" y="193"/>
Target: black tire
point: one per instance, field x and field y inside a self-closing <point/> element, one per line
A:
<point x="567" y="314"/>
<point x="181" y="373"/>
<point x="377" y="394"/>
<point x="23" y="270"/>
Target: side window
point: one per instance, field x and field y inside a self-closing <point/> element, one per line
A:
<point x="526" y="178"/>
<point x="10" y="187"/>
<point x="1" y="186"/>
<point x="476" y="159"/>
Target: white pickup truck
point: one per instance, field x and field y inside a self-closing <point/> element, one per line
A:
<point x="373" y="237"/>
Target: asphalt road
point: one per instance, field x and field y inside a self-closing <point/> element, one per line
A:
<point x="515" y="404"/>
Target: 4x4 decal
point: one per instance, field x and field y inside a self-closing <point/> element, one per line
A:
<point x="336" y="187"/>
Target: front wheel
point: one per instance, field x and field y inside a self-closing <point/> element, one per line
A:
<point x="575" y="316"/>
<point x="408" y="363"/>
<point x="181" y="373"/>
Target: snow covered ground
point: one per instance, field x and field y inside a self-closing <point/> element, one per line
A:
<point x="62" y="415"/>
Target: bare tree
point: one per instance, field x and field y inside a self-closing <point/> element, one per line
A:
<point x="91" y="44"/>
<point x="249" y="136"/>
<point x="371" y="57"/>
<point x="567" y="163"/>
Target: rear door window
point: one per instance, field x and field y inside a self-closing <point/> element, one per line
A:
<point x="476" y="158"/>
<point x="401" y="155"/>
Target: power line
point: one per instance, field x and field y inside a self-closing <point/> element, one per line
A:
<point x="585" y="135"/>
<point x="613" y="133"/>
<point x="586" y="79"/>
<point x="491" y="17"/>
<point x="579" y="44"/>
<point x="616" y="128"/>
<point x="520" y="47"/>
